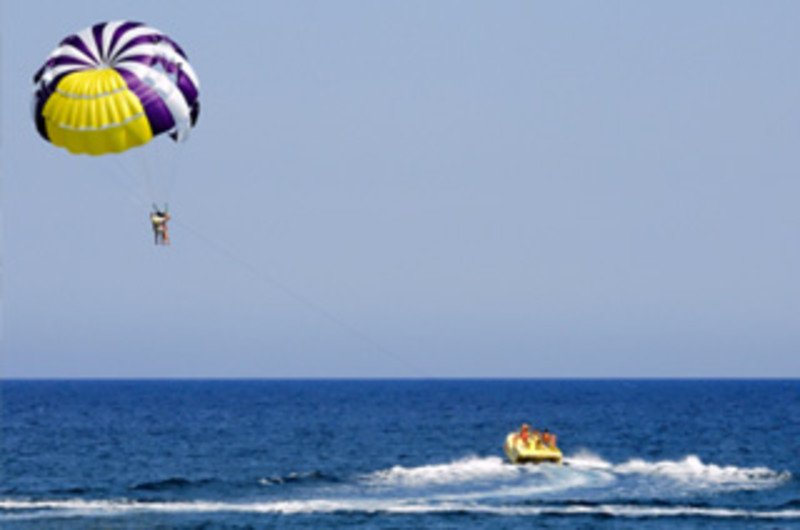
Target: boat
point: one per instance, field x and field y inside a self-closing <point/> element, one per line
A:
<point x="534" y="451"/>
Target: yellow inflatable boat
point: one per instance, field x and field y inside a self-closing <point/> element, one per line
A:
<point x="534" y="451"/>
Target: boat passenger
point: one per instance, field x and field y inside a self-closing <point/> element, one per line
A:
<point x="536" y="437"/>
<point x="524" y="434"/>
<point x="549" y="438"/>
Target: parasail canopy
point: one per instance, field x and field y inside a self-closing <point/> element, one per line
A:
<point x="114" y="86"/>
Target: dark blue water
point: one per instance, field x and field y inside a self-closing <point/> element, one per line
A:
<point x="397" y="454"/>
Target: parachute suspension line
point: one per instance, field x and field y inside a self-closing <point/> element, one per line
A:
<point x="159" y="164"/>
<point x="148" y="177"/>
<point x="303" y="300"/>
<point x="172" y="169"/>
<point x="127" y="179"/>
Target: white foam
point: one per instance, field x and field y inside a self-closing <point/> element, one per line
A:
<point x="692" y="471"/>
<point x="469" y="470"/>
<point x="492" y="477"/>
<point x="688" y="472"/>
<point x="475" y="479"/>
<point x="638" y="511"/>
<point x="474" y="484"/>
<point x="100" y="508"/>
<point x="71" y="507"/>
<point x="585" y="459"/>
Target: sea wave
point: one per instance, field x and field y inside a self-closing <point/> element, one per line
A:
<point x="297" y="477"/>
<point x="35" y="509"/>
<point x="691" y="471"/>
<point x="480" y="478"/>
<point x="587" y="485"/>
<point x="582" y="469"/>
<point x="470" y="469"/>
<point x="171" y="484"/>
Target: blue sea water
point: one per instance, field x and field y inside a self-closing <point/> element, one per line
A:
<point x="398" y="454"/>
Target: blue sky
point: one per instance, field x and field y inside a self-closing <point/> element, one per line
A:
<point x="417" y="189"/>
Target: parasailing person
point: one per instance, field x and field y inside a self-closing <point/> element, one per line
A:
<point x="113" y="87"/>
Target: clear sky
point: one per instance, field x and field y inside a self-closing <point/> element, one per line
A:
<point x="422" y="188"/>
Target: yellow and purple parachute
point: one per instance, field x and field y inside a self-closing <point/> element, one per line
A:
<point x="114" y="86"/>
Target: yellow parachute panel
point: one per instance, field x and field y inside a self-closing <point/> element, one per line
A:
<point x="94" y="112"/>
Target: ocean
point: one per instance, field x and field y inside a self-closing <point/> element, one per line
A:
<point x="397" y="454"/>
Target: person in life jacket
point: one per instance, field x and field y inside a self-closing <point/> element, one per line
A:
<point x="549" y="438"/>
<point x="524" y="434"/>
<point x="536" y="438"/>
<point x="159" y="218"/>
